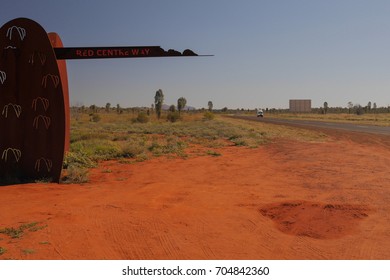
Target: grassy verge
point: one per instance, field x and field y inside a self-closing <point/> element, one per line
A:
<point x="382" y="119"/>
<point x="270" y="131"/>
<point x="119" y="137"/>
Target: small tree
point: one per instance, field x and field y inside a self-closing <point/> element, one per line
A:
<point x="359" y="110"/>
<point x="158" y="101"/>
<point x="173" y="115"/>
<point x="210" y="105"/>
<point x="141" y="118"/>
<point x="350" y="106"/>
<point x="93" y="108"/>
<point x="181" y="103"/>
<point x="172" y="108"/>
<point x="325" y="107"/>
<point x="108" y="105"/>
<point x="118" y="109"/>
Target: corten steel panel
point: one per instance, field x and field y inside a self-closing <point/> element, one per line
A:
<point x="118" y="52"/>
<point x="56" y="42"/>
<point x="32" y="120"/>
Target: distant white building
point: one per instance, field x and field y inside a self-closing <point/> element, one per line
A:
<point x="300" y="105"/>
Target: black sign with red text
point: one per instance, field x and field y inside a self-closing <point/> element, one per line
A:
<point x="117" y="52"/>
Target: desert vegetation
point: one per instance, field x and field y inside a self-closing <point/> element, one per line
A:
<point x="19" y="231"/>
<point x="137" y="135"/>
<point x="130" y="135"/>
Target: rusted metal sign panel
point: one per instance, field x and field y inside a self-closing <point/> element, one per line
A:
<point x="32" y="112"/>
<point x="117" y="52"/>
<point x="56" y="41"/>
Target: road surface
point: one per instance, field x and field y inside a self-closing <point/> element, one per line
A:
<point x="382" y="130"/>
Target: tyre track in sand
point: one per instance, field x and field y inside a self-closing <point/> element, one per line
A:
<point x="167" y="242"/>
<point x="124" y="235"/>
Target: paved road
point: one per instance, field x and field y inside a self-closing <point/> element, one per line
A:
<point x="327" y="125"/>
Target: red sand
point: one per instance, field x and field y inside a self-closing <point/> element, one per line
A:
<point x="286" y="200"/>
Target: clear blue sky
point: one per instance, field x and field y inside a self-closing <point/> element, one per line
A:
<point x="266" y="51"/>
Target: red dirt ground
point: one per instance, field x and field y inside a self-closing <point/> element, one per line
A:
<point x="285" y="200"/>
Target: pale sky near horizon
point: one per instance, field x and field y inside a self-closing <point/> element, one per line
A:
<point x="266" y="52"/>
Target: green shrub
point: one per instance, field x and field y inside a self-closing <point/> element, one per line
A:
<point x="78" y="159"/>
<point x="208" y="116"/>
<point x="97" y="149"/>
<point x="240" y="141"/>
<point x="106" y="150"/>
<point x="155" y="147"/>
<point x="78" y="136"/>
<point x="174" y="146"/>
<point x="18" y="232"/>
<point x="213" y="153"/>
<point x="12" y="232"/>
<point x="76" y="175"/>
<point x="95" y="117"/>
<point x="173" y="116"/>
<point x="28" y="251"/>
<point x="141" y="118"/>
<point x="131" y="149"/>
<point x="2" y="250"/>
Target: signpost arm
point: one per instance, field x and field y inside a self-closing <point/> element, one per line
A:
<point x="118" y="52"/>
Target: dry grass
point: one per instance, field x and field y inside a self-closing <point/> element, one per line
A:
<point x="270" y="131"/>
<point x="118" y="136"/>
<point x="382" y="119"/>
<point x="2" y="250"/>
<point x="18" y="232"/>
